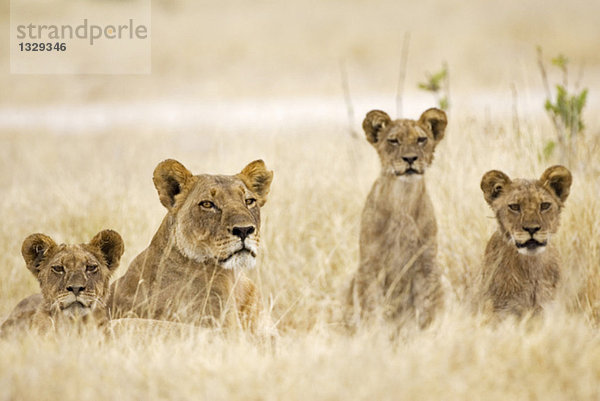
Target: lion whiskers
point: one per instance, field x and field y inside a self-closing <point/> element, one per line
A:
<point x="87" y="299"/>
<point x="240" y="261"/>
<point x="228" y="248"/>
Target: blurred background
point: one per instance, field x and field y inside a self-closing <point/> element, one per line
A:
<point x="251" y="59"/>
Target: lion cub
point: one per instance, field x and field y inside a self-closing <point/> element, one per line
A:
<point x="398" y="245"/>
<point x="193" y="269"/>
<point x="73" y="279"/>
<point x="521" y="268"/>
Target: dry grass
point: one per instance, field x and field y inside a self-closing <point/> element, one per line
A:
<point x="79" y="164"/>
<point x="72" y="186"/>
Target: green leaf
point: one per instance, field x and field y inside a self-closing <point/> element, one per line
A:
<point x="425" y="87"/>
<point x="444" y="104"/>
<point x="560" y="61"/>
<point x="581" y="99"/>
<point x="434" y="81"/>
<point x="439" y="76"/>
<point x="549" y="149"/>
<point x="566" y="109"/>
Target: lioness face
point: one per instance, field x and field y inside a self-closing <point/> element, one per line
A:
<point x="405" y="147"/>
<point x="220" y="219"/>
<point x="216" y="217"/>
<point x="528" y="211"/>
<point x="74" y="278"/>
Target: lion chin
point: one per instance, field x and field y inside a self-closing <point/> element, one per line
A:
<point x="531" y="252"/>
<point x="242" y="259"/>
<point x="531" y="247"/>
<point x="406" y="174"/>
<point x="409" y="177"/>
<point x="75" y="310"/>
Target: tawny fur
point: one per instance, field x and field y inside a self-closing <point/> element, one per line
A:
<point x="398" y="275"/>
<point x="521" y="268"/>
<point x="74" y="282"/>
<point x="193" y="269"/>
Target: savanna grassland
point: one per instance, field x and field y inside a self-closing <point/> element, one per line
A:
<point x="248" y="80"/>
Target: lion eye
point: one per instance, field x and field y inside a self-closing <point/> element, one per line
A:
<point x="91" y="268"/>
<point x="515" y="207"/>
<point x="207" y="204"/>
<point x="250" y="201"/>
<point x="58" y="269"/>
<point x="422" y="140"/>
<point x="545" y="206"/>
<point x="393" y="141"/>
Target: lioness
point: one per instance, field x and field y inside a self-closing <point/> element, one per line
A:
<point x="74" y="280"/>
<point x="192" y="271"/>
<point x="398" y="273"/>
<point x="521" y="268"/>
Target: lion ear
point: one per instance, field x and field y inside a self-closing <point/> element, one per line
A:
<point x="436" y="120"/>
<point x="35" y="249"/>
<point x="374" y="122"/>
<point x="557" y="179"/>
<point x="111" y="246"/>
<point x="493" y="184"/>
<point x="258" y="179"/>
<point x="170" y="179"/>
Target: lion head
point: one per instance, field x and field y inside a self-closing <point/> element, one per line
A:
<point x="73" y="278"/>
<point x="216" y="217"/>
<point x="405" y="147"/>
<point x="527" y="210"/>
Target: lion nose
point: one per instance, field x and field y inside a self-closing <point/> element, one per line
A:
<point x="243" y="232"/>
<point x="409" y="159"/>
<point x="75" y="289"/>
<point x="532" y="229"/>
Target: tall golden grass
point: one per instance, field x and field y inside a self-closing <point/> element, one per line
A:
<point x="71" y="186"/>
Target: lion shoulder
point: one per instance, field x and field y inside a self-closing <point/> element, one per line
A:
<point x="23" y="313"/>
